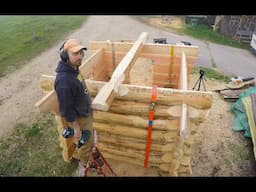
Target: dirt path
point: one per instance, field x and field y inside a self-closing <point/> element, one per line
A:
<point x="217" y="149"/>
<point x="213" y="153"/>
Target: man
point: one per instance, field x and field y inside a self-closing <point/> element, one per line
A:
<point x="73" y="96"/>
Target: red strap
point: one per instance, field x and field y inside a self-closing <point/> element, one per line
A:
<point x="154" y="93"/>
<point x="150" y="124"/>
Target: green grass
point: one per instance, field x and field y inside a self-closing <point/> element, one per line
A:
<point x="33" y="150"/>
<point x="204" y="32"/>
<point x="240" y="152"/>
<point x="23" y="37"/>
<point x="211" y="73"/>
<point x="201" y="32"/>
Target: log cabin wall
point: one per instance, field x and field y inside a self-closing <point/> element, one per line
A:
<point x="122" y="130"/>
<point x="158" y="53"/>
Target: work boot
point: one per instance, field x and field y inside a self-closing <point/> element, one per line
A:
<point x="68" y="132"/>
<point x="85" y="136"/>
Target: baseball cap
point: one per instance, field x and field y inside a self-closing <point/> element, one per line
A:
<point x="73" y="45"/>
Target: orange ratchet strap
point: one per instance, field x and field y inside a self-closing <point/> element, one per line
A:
<point x="150" y="123"/>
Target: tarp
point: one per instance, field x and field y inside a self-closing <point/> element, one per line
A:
<point x="241" y="121"/>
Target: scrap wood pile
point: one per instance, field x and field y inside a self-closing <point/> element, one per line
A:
<point x="235" y="87"/>
<point x="122" y="101"/>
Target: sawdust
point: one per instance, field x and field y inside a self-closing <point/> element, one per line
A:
<point x="217" y="149"/>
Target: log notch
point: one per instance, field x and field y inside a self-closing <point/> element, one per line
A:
<point x="107" y="94"/>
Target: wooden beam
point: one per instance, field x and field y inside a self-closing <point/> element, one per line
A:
<point x="149" y="48"/>
<point x="49" y="103"/>
<point x="91" y="64"/>
<point x="136" y="93"/>
<point x="184" y="129"/>
<point x="166" y="96"/>
<point x="108" y="92"/>
<point x="136" y="77"/>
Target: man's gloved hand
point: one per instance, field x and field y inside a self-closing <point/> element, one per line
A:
<point x="85" y="136"/>
<point x="68" y="132"/>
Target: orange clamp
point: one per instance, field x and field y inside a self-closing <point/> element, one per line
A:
<point x="150" y="124"/>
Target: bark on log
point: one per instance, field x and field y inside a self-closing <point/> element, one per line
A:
<point x="139" y="109"/>
<point x="130" y="160"/>
<point x="135" y="121"/>
<point x="134" y="132"/>
<point x="136" y="144"/>
<point x="166" y="158"/>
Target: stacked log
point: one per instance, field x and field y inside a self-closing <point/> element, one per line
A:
<point x="122" y="130"/>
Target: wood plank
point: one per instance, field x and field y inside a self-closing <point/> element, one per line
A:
<point x="142" y="72"/>
<point x="249" y="113"/>
<point x="166" y="96"/>
<point x="119" y="46"/>
<point x="253" y="98"/>
<point x="184" y="128"/>
<point x="91" y="64"/>
<point x="49" y="103"/>
<point x="106" y="95"/>
<point x="149" y="48"/>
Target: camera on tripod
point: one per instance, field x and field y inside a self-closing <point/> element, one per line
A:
<point x="201" y="72"/>
<point x="200" y="80"/>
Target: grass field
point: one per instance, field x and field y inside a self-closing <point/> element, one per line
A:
<point x="23" y="37"/>
<point x="201" y="32"/>
<point x="32" y="149"/>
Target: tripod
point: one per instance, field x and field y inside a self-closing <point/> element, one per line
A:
<point x="200" y="80"/>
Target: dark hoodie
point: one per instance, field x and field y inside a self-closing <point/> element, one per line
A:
<point x="74" y="102"/>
